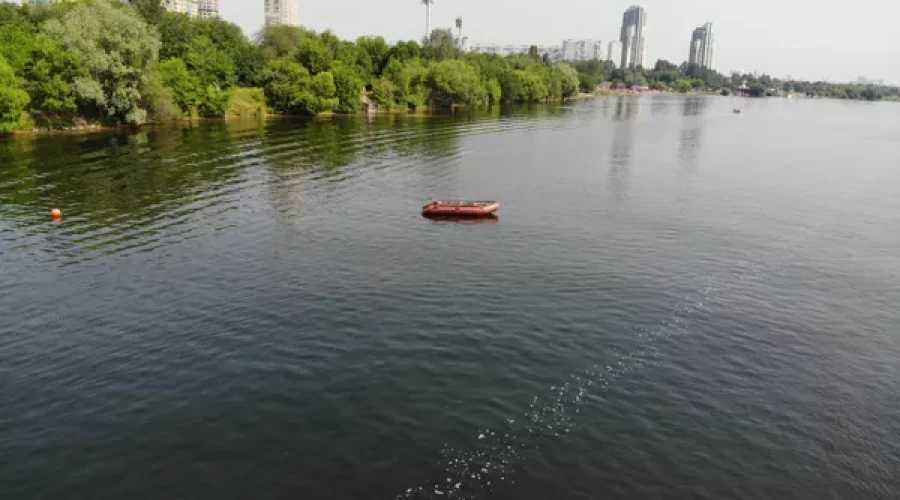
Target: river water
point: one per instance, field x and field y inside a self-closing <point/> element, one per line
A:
<point x="675" y="302"/>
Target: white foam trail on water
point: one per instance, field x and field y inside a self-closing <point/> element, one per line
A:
<point x="494" y="455"/>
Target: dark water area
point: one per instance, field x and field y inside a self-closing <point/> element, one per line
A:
<point x="675" y="302"/>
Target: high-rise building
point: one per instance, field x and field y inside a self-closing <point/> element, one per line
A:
<point x="42" y="2"/>
<point x="207" y="8"/>
<point x="701" y="49"/>
<point x="614" y="53"/>
<point x="632" y="37"/>
<point x="188" y="7"/>
<point x="281" y="12"/>
<point x="582" y="50"/>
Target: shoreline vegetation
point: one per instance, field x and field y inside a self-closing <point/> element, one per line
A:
<point x="95" y="65"/>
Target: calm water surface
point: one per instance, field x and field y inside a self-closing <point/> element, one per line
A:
<point x="676" y="302"/>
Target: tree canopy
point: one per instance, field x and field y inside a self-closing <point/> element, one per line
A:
<point x="130" y="62"/>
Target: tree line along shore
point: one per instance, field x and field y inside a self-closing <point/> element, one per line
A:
<point x="102" y="62"/>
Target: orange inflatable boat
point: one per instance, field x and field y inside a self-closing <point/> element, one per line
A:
<point x="460" y="208"/>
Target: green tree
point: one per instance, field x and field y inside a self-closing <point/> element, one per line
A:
<point x="229" y="38"/>
<point x="405" y="51"/>
<point x="440" y="45"/>
<point x="16" y="43"/>
<point x="210" y="64"/>
<point x="387" y="95"/>
<point x="290" y="88"/>
<point x="348" y="88"/>
<point x="185" y="87"/>
<point x="587" y="83"/>
<point x="13" y="98"/>
<point x="158" y="99"/>
<point x="117" y="47"/>
<point x="280" y="41"/>
<point x="663" y="65"/>
<point x="215" y="74"/>
<point x="377" y="52"/>
<point x="682" y="85"/>
<point x="50" y="77"/>
<point x="314" y="54"/>
<point x="494" y="91"/>
<point x="640" y="80"/>
<point x="523" y="86"/>
<point x="410" y="82"/>
<point x="176" y="31"/>
<point x="564" y="80"/>
<point x="14" y="14"/>
<point x="151" y="10"/>
<point x="213" y="101"/>
<point x="454" y="82"/>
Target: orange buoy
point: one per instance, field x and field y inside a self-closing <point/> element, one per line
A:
<point x="56" y="213"/>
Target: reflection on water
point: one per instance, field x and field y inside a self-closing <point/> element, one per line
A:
<point x="661" y="105"/>
<point x="627" y="108"/>
<point x="124" y="192"/>
<point x="691" y="134"/>
<point x="260" y="307"/>
<point x="443" y="219"/>
<point x="689" y="146"/>
<point x="693" y="106"/>
<point x="621" y="146"/>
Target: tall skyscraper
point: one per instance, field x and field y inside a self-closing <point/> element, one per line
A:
<point x="632" y="37"/>
<point x="701" y="49"/>
<point x="614" y="54"/>
<point x="207" y="8"/>
<point x="281" y="12"/>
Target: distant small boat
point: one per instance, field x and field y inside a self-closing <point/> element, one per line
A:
<point x="460" y="208"/>
<point x="736" y="111"/>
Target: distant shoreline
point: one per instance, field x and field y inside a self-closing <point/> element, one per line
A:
<point x="96" y="128"/>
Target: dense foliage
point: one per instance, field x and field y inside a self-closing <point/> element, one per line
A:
<point x="689" y="77"/>
<point x="129" y="62"/>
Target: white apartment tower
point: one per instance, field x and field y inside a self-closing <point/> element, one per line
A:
<point x="582" y="50"/>
<point x="188" y="7"/>
<point x="701" y="49"/>
<point x="614" y="53"/>
<point x="207" y="8"/>
<point x="281" y="12"/>
<point x="632" y="37"/>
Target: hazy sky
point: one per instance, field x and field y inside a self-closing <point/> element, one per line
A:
<point x="801" y="38"/>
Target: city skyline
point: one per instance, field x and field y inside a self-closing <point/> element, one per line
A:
<point x="774" y="37"/>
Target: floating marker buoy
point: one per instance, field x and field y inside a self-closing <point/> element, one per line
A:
<point x="56" y="213"/>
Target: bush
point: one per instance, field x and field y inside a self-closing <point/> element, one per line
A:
<point x="587" y="83"/>
<point x="246" y="102"/>
<point x="159" y="100"/>
<point x="348" y="88"/>
<point x="682" y="85"/>
<point x="13" y="98"/>
<point x="523" y="86"/>
<point x="454" y="82"/>
<point x="290" y="88"/>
